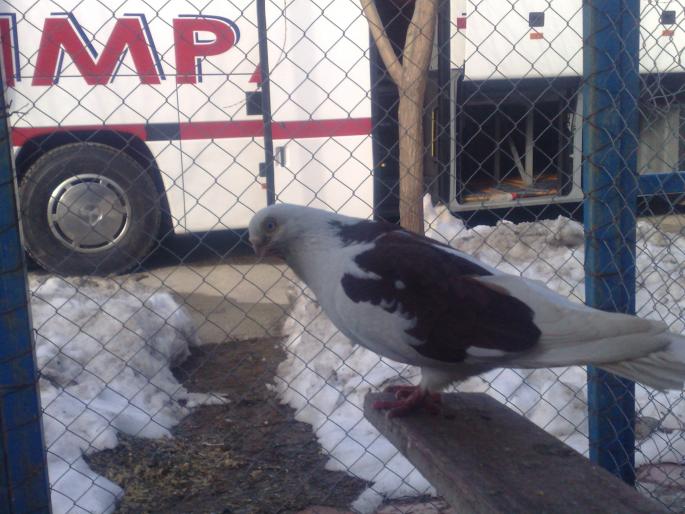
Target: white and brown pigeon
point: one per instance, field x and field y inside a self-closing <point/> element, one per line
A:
<point x="417" y="301"/>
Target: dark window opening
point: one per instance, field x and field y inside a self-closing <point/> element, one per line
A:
<point x="253" y="102"/>
<point x="667" y="18"/>
<point x="536" y="19"/>
<point x="514" y="151"/>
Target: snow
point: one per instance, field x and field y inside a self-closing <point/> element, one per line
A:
<point x="325" y="377"/>
<point x="104" y="349"/>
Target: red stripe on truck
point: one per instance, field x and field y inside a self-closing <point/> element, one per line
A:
<point x="20" y="135"/>
<point x="321" y="128"/>
<point x="279" y="129"/>
<point x="212" y="129"/>
<point x="221" y="129"/>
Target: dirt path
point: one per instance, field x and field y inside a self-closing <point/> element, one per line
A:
<point x="248" y="456"/>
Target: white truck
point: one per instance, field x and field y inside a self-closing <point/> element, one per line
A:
<point x="141" y="119"/>
<point x="516" y="119"/>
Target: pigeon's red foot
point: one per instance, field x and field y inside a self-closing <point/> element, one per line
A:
<point x="409" y="399"/>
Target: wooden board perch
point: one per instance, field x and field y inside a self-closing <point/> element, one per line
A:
<point x="482" y="457"/>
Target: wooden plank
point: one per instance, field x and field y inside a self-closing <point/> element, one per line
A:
<point x="482" y="457"/>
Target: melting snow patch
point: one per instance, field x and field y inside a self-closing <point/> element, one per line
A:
<point x="325" y="377"/>
<point x="104" y="351"/>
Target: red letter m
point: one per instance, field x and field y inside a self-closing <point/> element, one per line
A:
<point x="65" y="35"/>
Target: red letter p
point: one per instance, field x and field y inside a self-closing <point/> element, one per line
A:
<point x="188" y="48"/>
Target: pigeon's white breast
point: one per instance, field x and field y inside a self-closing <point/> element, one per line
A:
<point x="371" y="326"/>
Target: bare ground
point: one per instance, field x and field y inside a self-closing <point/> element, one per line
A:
<point x="248" y="456"/>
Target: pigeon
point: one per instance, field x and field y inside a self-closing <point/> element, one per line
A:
<point x="417" y="301"/>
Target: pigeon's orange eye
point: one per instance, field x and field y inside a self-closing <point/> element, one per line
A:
<point x="269" y="225"/>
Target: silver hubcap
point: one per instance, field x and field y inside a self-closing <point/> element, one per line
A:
<point x="89" y="213"/>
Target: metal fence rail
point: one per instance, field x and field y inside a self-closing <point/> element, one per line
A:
<point x="177" y="373"/>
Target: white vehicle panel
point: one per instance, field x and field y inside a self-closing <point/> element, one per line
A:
<point x="498" y="42"/>
<point x="661" y="45"/>
<point x="167" y="155"/>
<point x="324" y="73"/>
<point x="219" y="182"/>
<point x="330" y="173"/>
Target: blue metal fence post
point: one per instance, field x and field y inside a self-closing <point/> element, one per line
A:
<point x="610" y="132"/>
<point x="23" y="468"/>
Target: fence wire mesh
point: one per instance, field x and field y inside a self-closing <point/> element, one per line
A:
<point x="180" y="374"/>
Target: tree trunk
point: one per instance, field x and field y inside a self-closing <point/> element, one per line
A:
<point x="411" y="161"/>
<point x="415" y="61"/>
<point x="410" y="77"/>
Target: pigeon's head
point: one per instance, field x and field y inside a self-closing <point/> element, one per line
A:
<point x="274" y="229"/>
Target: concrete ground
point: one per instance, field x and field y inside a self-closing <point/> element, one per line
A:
<point x="228" y="292"/>
<point x="228" y="299"/>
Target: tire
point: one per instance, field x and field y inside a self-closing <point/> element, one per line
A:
<point x="88" y="209"/>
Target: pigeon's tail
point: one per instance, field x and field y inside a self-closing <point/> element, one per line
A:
<point x="663" y="369"/>
<point x="652" y="356"/>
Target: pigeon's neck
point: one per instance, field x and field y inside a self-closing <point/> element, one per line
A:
<point x="306" y="257"/>
<point x="313" y="254"/>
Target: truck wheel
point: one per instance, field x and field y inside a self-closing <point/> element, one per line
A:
<point x="88" y="208"/>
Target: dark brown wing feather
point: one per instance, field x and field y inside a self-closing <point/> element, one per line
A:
<point x="453" y="310"/>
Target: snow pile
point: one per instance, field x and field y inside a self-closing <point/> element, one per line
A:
<point x="325" y="378"/>
<point x="104" y="351"/>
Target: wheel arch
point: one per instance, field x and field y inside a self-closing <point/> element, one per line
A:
<point x="35" y="147"/>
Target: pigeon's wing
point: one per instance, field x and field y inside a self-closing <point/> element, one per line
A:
<point x="572" y="333"/>
<point x="441" y="310"/>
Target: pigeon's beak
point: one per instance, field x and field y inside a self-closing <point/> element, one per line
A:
<point x="260" y="246"/>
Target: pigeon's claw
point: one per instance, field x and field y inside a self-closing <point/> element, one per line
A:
<point x="409" y="399"/>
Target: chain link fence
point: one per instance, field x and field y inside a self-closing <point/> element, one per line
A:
<point x="178" y="374"/>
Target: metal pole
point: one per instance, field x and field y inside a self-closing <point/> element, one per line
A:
<point x="23" y="467"/>
<point x="610" y="132"/>
<point x="444" y="103"/>
<point x="266" y="102"/>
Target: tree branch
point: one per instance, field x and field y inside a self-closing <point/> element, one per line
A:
<point x="392" y="63"/>
<point x="419" y="43"/>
